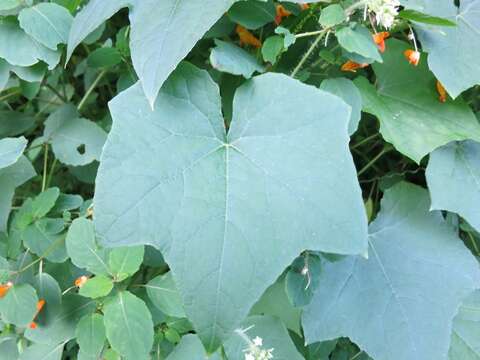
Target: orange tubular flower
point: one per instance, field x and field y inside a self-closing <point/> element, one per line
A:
<point x="412" y="56"/>
<point x="247" y="38"/>
<point x="352" y="66"/>
<point x="80" y="281"/>
<point x="304" y="6"/>
<point x="281" y="13"/>
<point x="40" y="305"/>
<point x="442" y="93"/>
<point x="4" y="289"/>
<point x="379" y="39"/>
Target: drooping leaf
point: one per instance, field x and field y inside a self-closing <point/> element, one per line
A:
<point x="252" y="14"/>
<point x="465" y="343"/>
<point x="358" y="40"/>
<point x="267" y="160"/>
<point x="229" y="58"/>
<point x="417" y="274"/>
<point x="129" y="326"/>
<point x="96" y="287"/>
<point x="10" y="150"/>
<point x="82" y="247"/>
<point x="454" y="47"/>
<point x="19" y="305"/>
<point x="411" y="116"/>
<point x="11" y="177"/>
<point x="62" y="327"/>
<point x="47" y="23"/>
<point x="20" y="49"/>
<point x="165" y="296"/>
<point x="91" y="335"/>
<point x="125" y="261"/>
<point x="75" y="141"/>
<point x="348" y="92"/>
<point x="453" y="176"/>
<point x="273" y="334"/>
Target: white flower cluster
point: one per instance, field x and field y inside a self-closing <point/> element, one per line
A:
<point x="385" y="11"/>
<point x="255" y="351"/>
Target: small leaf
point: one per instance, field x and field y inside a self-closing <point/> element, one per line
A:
<point x="272" y="48"/>
<point x="90" y="334"/>
<point x="10" y="150"/>
<point x="96" y="287"/>
<point x="19" y="306"/>
<point x="332" y="15"/>
<point x="302" y="279"/>
<point x="48" y="23"/>
<point x="104" y="57"/>
<point x="165" y="296"/>
<point x="230" y="58"/>
<point x="453" y="177"/>
<point x="129" y="326"/>
<point x="125" y="261"/>
<point x="413" y="15"/>
<point x="358" y="40"/>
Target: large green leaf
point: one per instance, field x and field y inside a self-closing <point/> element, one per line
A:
<point x="173" y="178"/>
<point x="465" y="343"/>
<point x="18" y="48"/>
<point x="455" y="47"/>
<point x="11" y="177"/>
<point x="274" y="336"/>
<point x="129" y="326"/>
<point x="19" y="305"/>
<point x="10" y="150"/>
<point x="406" y="103"/>
<point x="48" y="23"/>
<point x="91" y="336"/>
<point x="399" y="304"/>
<point x="453" y="176"/>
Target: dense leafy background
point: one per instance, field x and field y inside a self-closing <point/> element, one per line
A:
<point x="180" y="178"/>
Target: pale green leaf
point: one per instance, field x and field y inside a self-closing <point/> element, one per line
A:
<point x="83" y="249"/>
<point x="358" y="40"/>
<point x="4" y="270"/>
<point x="129" y="326"/>
<point x="399" y="304"/>
<point x="453" y="176"/>
<point x="8" y="347"/>
<point x="125" y="261"/>
<point x="269" y="178"/>
<point x="19" y="306"/>
<point x="274" y="336"/>
<point x="62" y="327"/>
<point x="48" y="23"/>
<point x="20" y="49"/>
<point x="332" y="15"/>
<point x="43" y="352"/>
<point x="90" y="334"/>
<point x="348" y="92"/>
<point x="165" y="296"/>
<point x="406" y="103"/>
<point x="96" y="287"/>
<point x="9" y="4"/>
<point x="229" y="58"/>
<point x="465" y="343"/>
<point x="10" y="150"/>
<point x="272" y="48"/>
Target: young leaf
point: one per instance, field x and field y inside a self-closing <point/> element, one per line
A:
<point x="456" y="167"/>
<point x="230" y="58"/>
<point x="165" y="296"/>
<point x="83" y="249"/>
<point x="411" y="117"/>
<point x="48" y="23"/>
<point x="10" y="150"/>
<point x="267" y="160"/>
<point x="416" y="276"/>
<point x="90" y="334"/>
<point x="129" y="326"/>
<point x="453" y="47"/>
<point x="348" y="92"/>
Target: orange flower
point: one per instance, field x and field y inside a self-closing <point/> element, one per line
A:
<point x="4" y="289"/>
<point x="442" y="93"/>
<point x="304" y="6"/>
<point x="412" y="56"/>
<point x="40" y="305"/>
<point x="281" y="13"/>
<point x="379" y="39"/>
<point x="247" y="38"/>
<point x="80" y="281"/>
<point x="352" y="66"/>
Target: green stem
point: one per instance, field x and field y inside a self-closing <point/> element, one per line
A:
<point x="474" y="244"/>
<point x="90" y="89"/>
<point x="8" y="96"/>
<point x="364" y="141"/>
<point x="374" y="160"/>
<point x="50" y="175"/>
<point x="45" y="168"/>
<point x="312" y="47"/>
